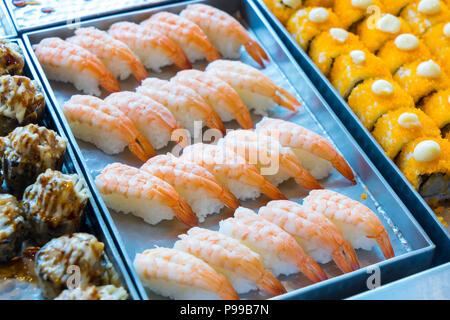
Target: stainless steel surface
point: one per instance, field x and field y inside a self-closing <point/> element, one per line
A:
<point x="432" y="284"/>
<point x="7" y="29"/>
<point x="69" y="12"/>
<point x="16" y="288"/>
<point x="412" y="247"/>
<point x="439" y="234"/>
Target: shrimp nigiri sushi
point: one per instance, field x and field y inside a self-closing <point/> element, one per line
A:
<point x="279" y="250"/>
<point x="185" y="33"/>
<point x="232" y="171"/>
<point x="130" y="190"/>
<point x="115" y="54"/>
<point x="93" y="120"/>
<point x="314" y="151"/>
<point x="224" y="31"/>
<point x="152" y="119"/>
<point x="241" y="266"/>
<point x="317" y="235"/>
<point x="180" y="275"/>
<point x="360" y="226"/>
<point x="256" y="90"/>
<point x="195" y="184"/>
<point x="68" y="62"/>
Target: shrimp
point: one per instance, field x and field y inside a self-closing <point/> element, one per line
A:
<point x="360" y="226"/>
<point x="218" y="94"/>
<point x="153" y="48"/>
<point x="194" y="183"/>
<point x="318" y="236"/>
<point x="275" y="162"/>
<point x="224" y="31"/>
<point x="116" y="55"/>
<point x="180" y="275"/>
<point x="232" y="171"/>
<point x="241" y="266"/>
<point x="68" y="62"/>
<point x="185" y="104"/>
<point x="185" y="33"/>
<point x="151" y="118"/>
<point x="256" y="90"/>
<point x="128" y="189"/>
<point x="297" y="137"/>
<point x="279" y="250"/>
<point x="92" y="120"/>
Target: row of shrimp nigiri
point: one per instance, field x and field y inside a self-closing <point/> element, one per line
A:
<point x="250" y="250"/>
<point x="242" y="165"/>
<point x="151" y="117"/>
<point x="199" y="31"/>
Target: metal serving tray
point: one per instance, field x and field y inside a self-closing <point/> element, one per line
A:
<point x="94" y="223"/>
<point x="410" y="197"/>
<point x="412" y="246"/>
<point x="7" y="29"/>
<point x="57" y="12"/>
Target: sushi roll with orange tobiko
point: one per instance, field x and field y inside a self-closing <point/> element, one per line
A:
<point x="319" y="3"/>
<point x="423" y="14"/>
<point x="351" y="12"/>
<point x="398" y="127"/>
<point x="404" y="49"/>
<point x="425" y="162"/>
<point x="307" y="23"/>
<point x="386" y="28"/>
<point x="352" y="68"/>
<point x="283" y="9"/>
<point x="374" y="97"/>
<point x="328" y="45"/>
<point x="394" y="6"/>
<point x="437" y="38"/>
<point x="437" y="107"/>
<point x="421" y="78"/>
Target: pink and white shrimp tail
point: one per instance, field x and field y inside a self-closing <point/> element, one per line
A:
<point x="337" y="207"/>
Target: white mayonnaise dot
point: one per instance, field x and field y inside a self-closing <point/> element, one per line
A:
<point x="358" y="56"/>
<point x="408" y="120"/>
<point x="429" y="69"/>
<point x="339" y="34"/>
<point x="382" y="87"/>
<point x="429" y="6"/>
<point x="447" y="30"/>
<point x="427" y="150"/>
<point x="406" y="42"/>
<point x="318" y="15"/>
<point x="389" y="23"/>
<point x="294" y="4"/>
<point x="361" y="4"/>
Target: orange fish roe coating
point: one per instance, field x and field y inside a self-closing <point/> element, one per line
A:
<point x="395" y="57"/>
<point x="304" y="30"/>
<point x="439" y="44"/>
<point x="420" y="21"/>
<point x="319" y="3"/>
<point x="392" y="136"/>
<point x="369" y="106"/>
<point x="419" y="86"/>
<point x="394" y="6"/>
<point x="373" y="38"/>
<point x="414" y="169"/>
<point x="325" y="48"/>
<point x="437" y="107"/>
<point x="349" y="14"/>
<point x="346" y="73"/>
<point x="280" y="10"/>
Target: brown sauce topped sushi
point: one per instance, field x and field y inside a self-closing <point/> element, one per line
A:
<point x="28" y="151"/>
<point x="84" y="253"/>
<point x="12" y="229"/>
<point x="54" y="205"/>
<point x="11" y="58"/>
<point x="108" y="292"/>
<point x="21" y="102"/>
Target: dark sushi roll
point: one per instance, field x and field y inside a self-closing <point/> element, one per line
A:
<point x="11" y="228"/>
<point x="27" y="152"/>
<point x="75" y="260"/>
<point x="11" y="58"/>
<point x="108" y="292"/>
<point x="21" y="103"/>
<point x="54" y="205"/>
